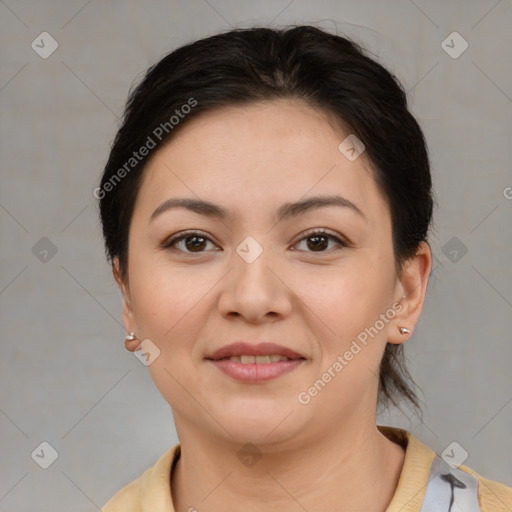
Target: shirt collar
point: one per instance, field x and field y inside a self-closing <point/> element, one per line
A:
<point x="408" y="497"/>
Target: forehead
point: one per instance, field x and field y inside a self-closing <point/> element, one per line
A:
<point x="258" y="155"/>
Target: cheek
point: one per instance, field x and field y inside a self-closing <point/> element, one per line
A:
<point x="349" y="302"/>
<point x="164" y="293"/>
<point x="347" y="298"/>
<point x="166" y="307"/>
<point x="344" y="314"/>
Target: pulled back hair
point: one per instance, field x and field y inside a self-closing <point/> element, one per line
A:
<point x="325" y="71"/>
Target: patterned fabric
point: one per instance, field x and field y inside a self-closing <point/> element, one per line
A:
<point x="450" y="490"/>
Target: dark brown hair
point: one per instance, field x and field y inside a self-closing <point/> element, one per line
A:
<point x="326" y="71"/>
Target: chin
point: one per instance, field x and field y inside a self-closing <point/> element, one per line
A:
<point x="258" y="421"/>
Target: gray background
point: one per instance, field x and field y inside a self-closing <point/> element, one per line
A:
<point x="65" y="376"/>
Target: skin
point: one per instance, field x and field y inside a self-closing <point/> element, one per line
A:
<point x="251" y="160"/>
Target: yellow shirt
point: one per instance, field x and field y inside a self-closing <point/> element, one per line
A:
<point x="426" y="484"/>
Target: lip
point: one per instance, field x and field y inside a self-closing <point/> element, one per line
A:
<point x="241" y="348"/>
<point x="254" y="372"/>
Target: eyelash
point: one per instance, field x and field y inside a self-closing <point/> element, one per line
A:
<point x="173" y="240"/>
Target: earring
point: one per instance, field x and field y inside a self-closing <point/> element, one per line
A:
<point x="404" y="330"/>
<point x="130" y="337"/>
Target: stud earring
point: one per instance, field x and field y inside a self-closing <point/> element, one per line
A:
<point x="404" y="330"/>
<point x="130" y="337"/>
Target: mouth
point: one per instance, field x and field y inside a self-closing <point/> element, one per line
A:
<point x="255" y="363"/>
<point x="248" y="359"/>
<point x="248" y="353"/>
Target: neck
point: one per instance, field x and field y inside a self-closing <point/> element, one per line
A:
<point x="355" y="468"/>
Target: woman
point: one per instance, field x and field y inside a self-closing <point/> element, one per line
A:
<point x="265" y="208"/>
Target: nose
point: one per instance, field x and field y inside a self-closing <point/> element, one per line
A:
<point x="255" y="289"/>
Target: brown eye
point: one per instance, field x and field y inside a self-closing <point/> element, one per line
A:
<point x="195" y="243"/>
<point x="191" y="242"/>
<point x="318" y="241"/>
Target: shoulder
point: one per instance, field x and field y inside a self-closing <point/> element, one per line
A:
<point x="126" y="500"/>
<point x="428" y="483"/>
<point x="493" y="496"/>
<point x="153" y="486"/>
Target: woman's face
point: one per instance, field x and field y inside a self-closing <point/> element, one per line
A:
<point x="257" y="276"/>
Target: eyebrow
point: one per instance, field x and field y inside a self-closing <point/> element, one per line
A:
<point x="286" y="211"/>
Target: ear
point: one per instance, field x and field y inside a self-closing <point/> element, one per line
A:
<point x="410" y="293"/>
<point x="128" y="316"/>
